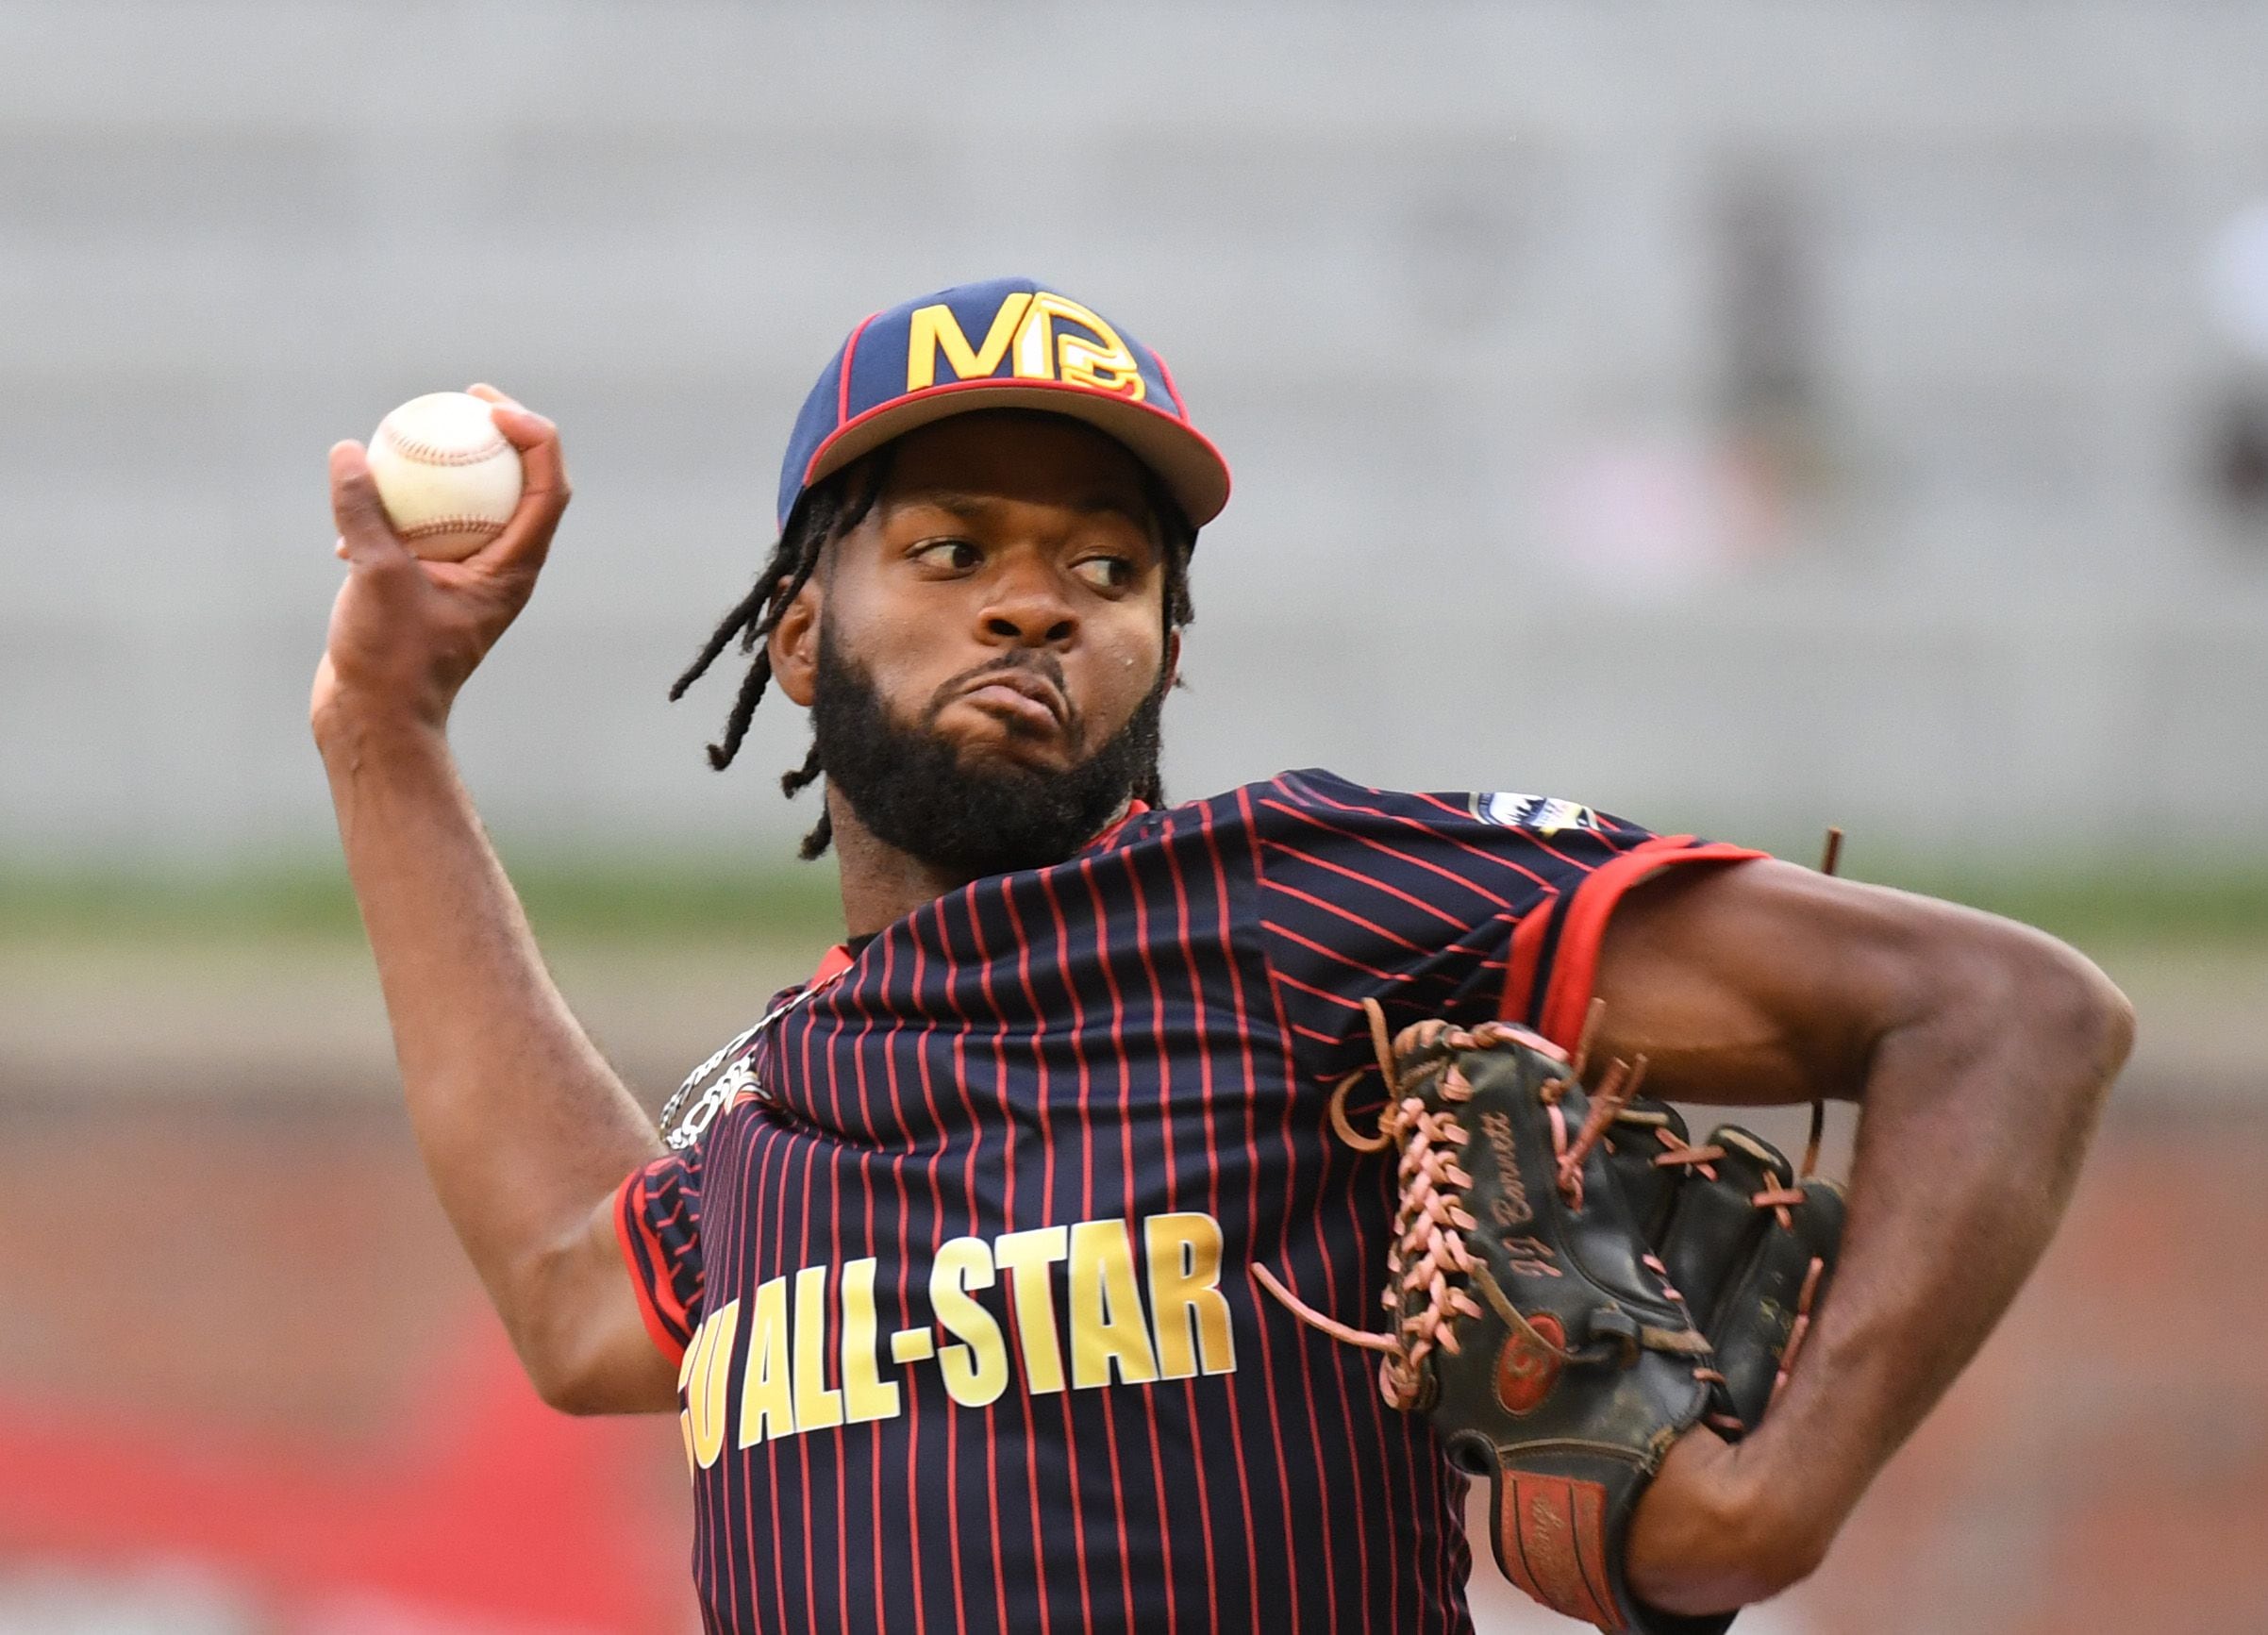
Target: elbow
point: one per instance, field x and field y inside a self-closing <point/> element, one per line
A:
<point x="567" y="1373"/>
<point x="561" y="1343"/>
<point x="2075" y="1009"/>
<point x="2024" y="989"/>
<point x="571" y="1391"/>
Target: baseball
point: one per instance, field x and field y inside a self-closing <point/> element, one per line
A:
<point x="449" y="479"/>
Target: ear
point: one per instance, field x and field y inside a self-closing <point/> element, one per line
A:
<point x="1172" y="659"/>
<point x="795" y="646"/>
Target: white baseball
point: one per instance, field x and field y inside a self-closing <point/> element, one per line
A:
<point x="448" y="477"/>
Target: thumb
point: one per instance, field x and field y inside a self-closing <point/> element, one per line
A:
<point x="365" y="533"/>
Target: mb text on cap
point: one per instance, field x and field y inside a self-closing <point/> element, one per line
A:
<point x="1006" y="344"/>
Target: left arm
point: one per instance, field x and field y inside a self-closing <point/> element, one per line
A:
<point x="1979" y="1051"/>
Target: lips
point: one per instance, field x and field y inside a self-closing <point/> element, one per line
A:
<point x="1022" y="698"/>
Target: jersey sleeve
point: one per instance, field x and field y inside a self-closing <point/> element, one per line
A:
<point x="1466" y="905"/>
<point x="658" y="1219"/>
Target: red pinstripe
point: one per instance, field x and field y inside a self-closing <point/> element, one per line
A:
<point x="657" y="1297"/>
<point x="1282" y="1234"/>
<point x="937" y="1236"/>
<point x="1008" y="1166"/>
<point x="1333" y="955"/>
<point x="1047" y="1212"/>
<point x="781" y="1145"/>
<point x="1323" y="1252"/>
<point x="1340" y="910"/>
<point x="1373" y="881"/>
<point x="1464" y="816"/>
<point x="1078" y="1051"/>
<point x="1236" y="1418"/>
<point x="913" y="1399"/>
<point x="1463" y="882"/>
<point x="803" y="1258"/>
<point x="1125" y="1130"/>
<point x="1324" y="994"/>
<point x="866" y="1189"/>
<point x="967" y="898"/>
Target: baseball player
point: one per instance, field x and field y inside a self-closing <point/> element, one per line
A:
<point x="951" y="1265"/>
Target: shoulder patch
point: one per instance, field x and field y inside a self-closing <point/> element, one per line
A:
<point x="1542" y="813"/>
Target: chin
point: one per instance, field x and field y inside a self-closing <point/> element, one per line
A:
<point x="991" y="742"/>
<point x="1005" y="753"/>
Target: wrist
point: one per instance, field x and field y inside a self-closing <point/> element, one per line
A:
<point x="1792" y="1503"/>
<point x="350" y="728"/>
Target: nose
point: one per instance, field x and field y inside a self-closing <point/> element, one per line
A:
<point x="1029" y="608"/>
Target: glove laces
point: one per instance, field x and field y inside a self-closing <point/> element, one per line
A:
<point x="1431" y="1268"/>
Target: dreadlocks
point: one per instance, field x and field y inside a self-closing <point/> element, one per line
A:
<point x="827" y="510"/>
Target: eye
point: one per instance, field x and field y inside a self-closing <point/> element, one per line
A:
<point x="1106" y="573"/>
<point x="947" y="555"/>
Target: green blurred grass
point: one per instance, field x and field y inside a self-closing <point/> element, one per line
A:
<point x="2222" y="907"/>
<point x="718" y="898"/>
<point x="578" y="898"/>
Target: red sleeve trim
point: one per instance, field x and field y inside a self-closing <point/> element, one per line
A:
<point x="624" y="1209"/>
<point x="1576" y="966"/>
<point x="1520" y="965"/>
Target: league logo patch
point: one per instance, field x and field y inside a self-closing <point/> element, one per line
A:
<point x="1542" y="813"/>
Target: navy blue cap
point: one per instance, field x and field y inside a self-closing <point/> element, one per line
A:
<point x="1006" y="344"/>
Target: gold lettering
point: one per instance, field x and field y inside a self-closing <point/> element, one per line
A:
<point x="1107" y="1323"/>
<point x="709" y="1367"/>
<point x="817" y="1404"/>
<point x="1029" y="1255"/>
<point x="934" y="329"/>
<point x="866" y="1393"/>
<point x="1184" y="1252"/>
<point x="976" y="1371"/>
<point x="767" y="1408"/>
<point x="1105" y="364"/>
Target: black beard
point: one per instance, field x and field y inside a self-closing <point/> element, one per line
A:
<point x="911" y="790"/>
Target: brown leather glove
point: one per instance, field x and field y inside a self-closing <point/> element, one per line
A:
<point x="1573" y="1286"/>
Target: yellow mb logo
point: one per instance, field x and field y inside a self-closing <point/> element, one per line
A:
<point x="1026" y="328"/>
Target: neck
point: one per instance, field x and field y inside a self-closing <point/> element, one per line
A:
<point x="881" y="883"/>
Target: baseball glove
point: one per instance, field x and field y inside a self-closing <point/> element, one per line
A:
<point x="1574" y="1285"/>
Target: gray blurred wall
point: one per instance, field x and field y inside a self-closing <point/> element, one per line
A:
<point x="1739" y="415"/>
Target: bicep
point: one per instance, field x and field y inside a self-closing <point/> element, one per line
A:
<point x="1763" y="984"/>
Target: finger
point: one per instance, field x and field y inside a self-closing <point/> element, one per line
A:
<point x="488" y="394"/>
<point x="525" y="430"/>
<point x="543" y="493"/>
<point x="365" y="536"/>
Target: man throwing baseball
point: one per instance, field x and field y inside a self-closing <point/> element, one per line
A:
<point x="1001" y="1274"/>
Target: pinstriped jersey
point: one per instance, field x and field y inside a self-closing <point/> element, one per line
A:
<point x="957" y="1273"/>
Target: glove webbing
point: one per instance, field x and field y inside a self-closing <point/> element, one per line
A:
<point x="1429" y="1246"/>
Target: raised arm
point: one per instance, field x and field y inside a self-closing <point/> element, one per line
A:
<point x="524" y="1128"/>
<point x="1979" y="1051"/>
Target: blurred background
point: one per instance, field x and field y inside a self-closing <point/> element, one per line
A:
<point x="1742" y="416"/>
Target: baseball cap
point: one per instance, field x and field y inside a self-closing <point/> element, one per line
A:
<point x="1005" y="343"/>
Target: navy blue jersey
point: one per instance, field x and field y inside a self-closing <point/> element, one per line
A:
<point x="957" y="1269"/>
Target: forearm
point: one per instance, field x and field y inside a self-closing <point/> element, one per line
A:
<point x="1974" y="1116"/>
<point x="522" y="1124"/>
